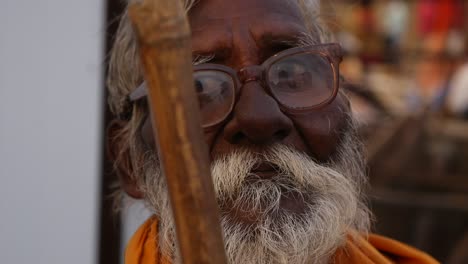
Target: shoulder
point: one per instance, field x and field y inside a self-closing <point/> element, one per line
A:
<point x="399" y="252"/>
<point x="376" y="249"/>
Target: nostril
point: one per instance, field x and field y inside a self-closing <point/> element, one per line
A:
<point x="237" y="137"/>
<point x="280" y="134"/>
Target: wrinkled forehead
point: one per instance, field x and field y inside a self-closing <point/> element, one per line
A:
<point x="221" y="12"/>
<point x="216" y="23"/>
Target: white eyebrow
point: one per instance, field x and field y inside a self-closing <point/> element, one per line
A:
<point x="199" y="59"/>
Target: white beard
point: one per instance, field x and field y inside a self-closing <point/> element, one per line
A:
<point x="331" y="195"/>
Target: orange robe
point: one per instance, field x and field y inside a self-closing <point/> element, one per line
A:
<point x="142" y="249"/>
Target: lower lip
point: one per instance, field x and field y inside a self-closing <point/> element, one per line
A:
<point x="265" y="174"/>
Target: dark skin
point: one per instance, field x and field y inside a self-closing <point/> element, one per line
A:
<point x="246" y="32"/>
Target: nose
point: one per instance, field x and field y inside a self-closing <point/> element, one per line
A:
<point x="256" y="118"/>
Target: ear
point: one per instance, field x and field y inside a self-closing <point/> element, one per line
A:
<point x="120" y="156"/>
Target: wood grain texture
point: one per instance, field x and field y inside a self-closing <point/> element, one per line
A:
<point x="163" y="33"/>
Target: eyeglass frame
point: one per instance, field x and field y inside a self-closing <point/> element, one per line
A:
<point x="330" y="51"/>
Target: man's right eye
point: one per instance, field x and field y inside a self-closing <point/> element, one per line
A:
<point x="198" y="86"/>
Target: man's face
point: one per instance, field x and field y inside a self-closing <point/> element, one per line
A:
<point x="287" y="184"/>
<point x="247" y="32"/>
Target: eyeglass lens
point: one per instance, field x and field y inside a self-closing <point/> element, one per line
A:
<point x="215" y="90"/>
<point x="297" y="81"/>
<point x="301" y="80"/>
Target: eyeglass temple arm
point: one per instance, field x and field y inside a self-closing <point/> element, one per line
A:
<point x="138" y="93"/>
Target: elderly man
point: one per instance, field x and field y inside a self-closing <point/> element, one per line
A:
<point x="285" y="160"/>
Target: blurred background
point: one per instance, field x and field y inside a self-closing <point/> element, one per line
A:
<point x="406" y="70"/>
<point x="406" y="65"/>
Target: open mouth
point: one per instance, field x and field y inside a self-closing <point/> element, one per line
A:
<point x="265" y="170"/>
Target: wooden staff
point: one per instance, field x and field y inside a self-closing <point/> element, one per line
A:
<point x="164" y="39"/>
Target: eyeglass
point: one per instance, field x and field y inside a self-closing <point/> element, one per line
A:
<point x="299" y="79"/>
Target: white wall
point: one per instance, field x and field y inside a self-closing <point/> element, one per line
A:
<point x="50" y="93"/>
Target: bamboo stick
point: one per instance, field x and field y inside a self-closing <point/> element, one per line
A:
<point x="165" y="44"/>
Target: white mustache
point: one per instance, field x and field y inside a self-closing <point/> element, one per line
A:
<point x="296" y="171"/>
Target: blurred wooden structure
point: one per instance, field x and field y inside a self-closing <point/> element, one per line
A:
<point x="419" y="176"/>
<point x="163" y="34"/>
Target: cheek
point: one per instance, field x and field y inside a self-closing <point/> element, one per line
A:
<point x="322" y="130"/>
